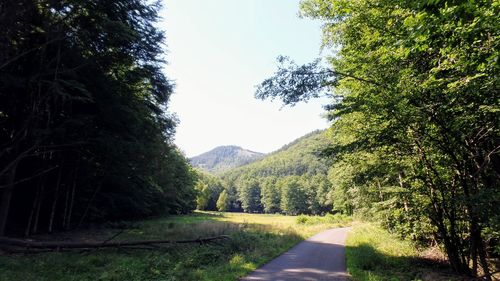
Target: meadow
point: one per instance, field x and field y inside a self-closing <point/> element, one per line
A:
<point x="254" y="240"/>
<point x="372" y="253"/>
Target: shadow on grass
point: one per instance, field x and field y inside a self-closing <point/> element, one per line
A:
<point x="367" y="263"/>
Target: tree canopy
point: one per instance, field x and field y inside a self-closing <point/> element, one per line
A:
<point x="85" y="132"/>
<point x="296" y="173"/>
<point x="415" y="116"/>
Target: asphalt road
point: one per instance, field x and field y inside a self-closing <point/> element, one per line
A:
<point x="321" y="257"/>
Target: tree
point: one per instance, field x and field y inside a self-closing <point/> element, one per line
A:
<point x="416" y="94"/>
<point x="302" y="157"/>
<point x="223" y="202"/>
<point x="214" y="187"/>
<point x="317" y="189"/>
<point x="85" y="130"/>
<point x="271" y="196"/>
<point x="293" y="196"/>
<point x="203" y="195"/>
<point x="249" y="195"/>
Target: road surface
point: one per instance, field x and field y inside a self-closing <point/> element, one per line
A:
<point x="321" y="257"/>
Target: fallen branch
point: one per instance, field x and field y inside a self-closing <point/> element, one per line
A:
<point x="106" y="244"/>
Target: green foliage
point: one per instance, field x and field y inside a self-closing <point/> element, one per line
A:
<point x="415" y="117"/>
<point x="374" y="254"/>
<point x="210" y="188"/>
<point x="249" y="196"/>
<point x="223" y="202"/>
<point x="271" y="196"/>
<point x="300" y="159"/>
<point x="328" y="218"/>
<point x="203" y="195"/>
<point x="85" y="130"/>
<point x="293" y="196"/>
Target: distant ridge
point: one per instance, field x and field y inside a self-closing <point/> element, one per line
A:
<point x="299" y="157"/>
<point x="224" y="158"/>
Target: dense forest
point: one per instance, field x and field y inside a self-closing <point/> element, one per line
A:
<point x="415" y="133"/>
<point x="292" y="180"/>
<point x="85" y="133"/>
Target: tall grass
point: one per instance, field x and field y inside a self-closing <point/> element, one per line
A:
<point x="373" y="254"/>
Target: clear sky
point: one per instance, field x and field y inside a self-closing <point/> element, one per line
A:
<point x="218" y="51"/>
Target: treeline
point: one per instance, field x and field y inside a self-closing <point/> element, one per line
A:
<point x="85" y="134"/>
<point x="292" y="180"/>
<point x="415" y="119"/>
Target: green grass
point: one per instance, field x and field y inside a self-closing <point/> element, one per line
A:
<point x="255" y="239"/>
<point x="373" y="254"/>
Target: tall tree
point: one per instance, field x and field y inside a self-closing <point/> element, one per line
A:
<point x="271" y="195"/>
<point x="223" y="202"/>
<point x="84" y="128"/>
<point x="293" y="196"/>
<point x="416" y="91"/>
<point x="249" y="194"/>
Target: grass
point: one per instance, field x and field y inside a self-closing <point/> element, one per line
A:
<point x="373" y="254"/>
<point x="255" y="239"/>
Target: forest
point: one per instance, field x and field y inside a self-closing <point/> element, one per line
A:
<point x="292" y="180"/>
<point x="415" y="118"/>
<point x="87" y="132"/>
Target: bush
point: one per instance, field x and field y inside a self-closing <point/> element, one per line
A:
<point x="327" y="219"/>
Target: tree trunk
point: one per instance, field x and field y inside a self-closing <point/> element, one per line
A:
<point x="32" y="212"/>
<point x="38" y="207"/>
<point x="6" y="198"/>
<point x="72" y="201"/>
<point x="54" y="203"/>
<point x="66" y="207"/>
<point x="402" y="185"/>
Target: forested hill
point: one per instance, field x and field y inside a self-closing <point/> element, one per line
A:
<point x="291" y="180"/>
<point x="223" y="158"/>
<point x="300" y="157"/>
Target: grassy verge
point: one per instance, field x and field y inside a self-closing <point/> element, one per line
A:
<point x="255" y="239"/>
<point x="373" y="254"/>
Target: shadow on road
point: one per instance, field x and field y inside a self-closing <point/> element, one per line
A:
<point x="320" y="258"/>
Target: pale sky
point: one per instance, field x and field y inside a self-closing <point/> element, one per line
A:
<point x="218" y="51"/>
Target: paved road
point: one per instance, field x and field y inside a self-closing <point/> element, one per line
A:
<point x="321" y="257"/>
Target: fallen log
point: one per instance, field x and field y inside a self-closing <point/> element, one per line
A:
<point x="106" y="244"/>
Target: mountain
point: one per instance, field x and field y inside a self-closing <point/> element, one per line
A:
<point x="224" y="158"/>
<point x="292" y="180"/>
<point x="300" y="157"/>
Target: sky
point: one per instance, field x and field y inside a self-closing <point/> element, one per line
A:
<point x="217" y="52"/>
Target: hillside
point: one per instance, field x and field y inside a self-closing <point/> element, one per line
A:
<point x="224" y="158"/>
<point x="300" y="157"/>
<point x="292" y="180"/>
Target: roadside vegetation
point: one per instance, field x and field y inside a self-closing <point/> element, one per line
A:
<point x="254" y="240"/>
<point x="374" y="254"/>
